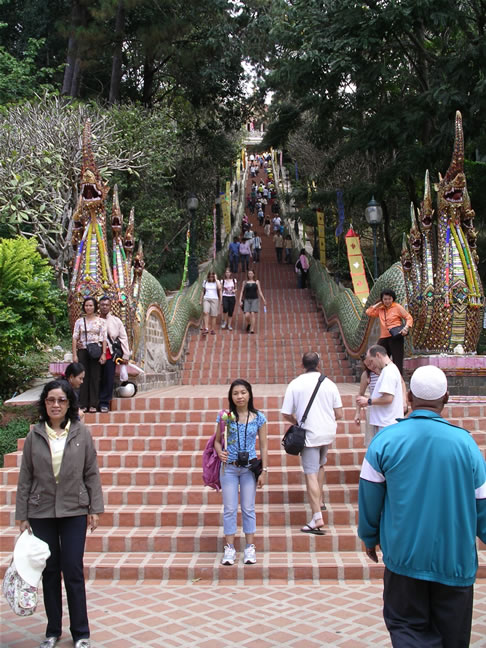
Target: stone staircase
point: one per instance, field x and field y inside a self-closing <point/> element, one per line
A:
<point x="161" y="524"/>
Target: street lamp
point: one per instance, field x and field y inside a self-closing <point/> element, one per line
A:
<point x="193" y="270"/>
<point x="218" y="223"/>
<point x="374" y="215"/>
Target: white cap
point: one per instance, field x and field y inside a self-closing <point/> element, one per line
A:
<point x="30" y="555"/>
<point x="428" y="383"/>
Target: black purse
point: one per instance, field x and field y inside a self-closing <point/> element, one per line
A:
<point x="117" y="351"/>
<point x="396" y="331"/>
<point x="256" y="467"/>
<point x="93" y="348"/>
<point x="294" y="439"/>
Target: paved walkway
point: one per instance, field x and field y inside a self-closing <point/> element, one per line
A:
<point x="132" y="616"/>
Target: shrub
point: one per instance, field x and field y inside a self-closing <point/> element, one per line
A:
<point x="30" y="312"/>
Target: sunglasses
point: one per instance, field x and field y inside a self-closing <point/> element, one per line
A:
<point x="52" y="401"/>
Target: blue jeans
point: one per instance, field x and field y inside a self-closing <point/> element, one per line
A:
<point x="233" y="477"/>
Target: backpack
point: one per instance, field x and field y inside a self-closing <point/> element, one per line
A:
<point x="211" y="463"/>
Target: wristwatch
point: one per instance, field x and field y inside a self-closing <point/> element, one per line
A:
<point x="265" y="469"/>
<point x="370" y="402"/>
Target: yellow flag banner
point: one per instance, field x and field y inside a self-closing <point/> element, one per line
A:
<point x="237" y="170"/>
<point x="227" y="211"/>
<point x="356" y="266"/>
<point x="243" y="157"/>
<point x="322" y="237"/>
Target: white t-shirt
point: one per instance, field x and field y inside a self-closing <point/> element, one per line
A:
<point x="211" y="289"/>
<point x="389" y="382"/>
<point x="229" y="287"/>
<point x="320" y="422"/>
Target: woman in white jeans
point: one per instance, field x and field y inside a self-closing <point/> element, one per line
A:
<point x="235" y="474"/>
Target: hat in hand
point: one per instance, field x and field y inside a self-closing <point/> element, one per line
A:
<point x="29" y="556"/>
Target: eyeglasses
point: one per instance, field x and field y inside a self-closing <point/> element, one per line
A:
<point x="53" y="401"/>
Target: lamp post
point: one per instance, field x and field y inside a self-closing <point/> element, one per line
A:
<point x="374" y="215"/>
<point x="193" y="271"/>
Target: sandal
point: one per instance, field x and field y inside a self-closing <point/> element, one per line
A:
<point x="204" y="331"/>
<point x="92" y="410"/>
<point x="213" y="332"/>
<point x="314" y="530"/>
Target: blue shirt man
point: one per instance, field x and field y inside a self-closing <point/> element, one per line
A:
<point x="422" y="498"/>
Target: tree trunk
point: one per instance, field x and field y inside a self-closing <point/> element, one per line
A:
<point x="386" y="226"/>
<point x="148" y="80"/>
<point x="72" y="73"/>
<point x="116" y="67"/>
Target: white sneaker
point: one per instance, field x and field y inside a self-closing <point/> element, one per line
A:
<point x="229" y="555"/>
<point x="230" y="328"/>
<point x="250" y="555"/>
<point x="223" y="325"/>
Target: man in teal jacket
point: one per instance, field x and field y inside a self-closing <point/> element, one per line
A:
<point x="422" y="498"/>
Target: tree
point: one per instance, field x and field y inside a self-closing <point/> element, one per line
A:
<point x="39" y="176"/>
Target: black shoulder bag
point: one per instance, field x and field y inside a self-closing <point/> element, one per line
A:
<point x="93" y="348"/>
<point x="294" y="439"/>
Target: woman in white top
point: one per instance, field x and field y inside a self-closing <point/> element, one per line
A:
<point x="90" y="330"/>
<point x="229" y="299"/>
<point x="210" y="299"/>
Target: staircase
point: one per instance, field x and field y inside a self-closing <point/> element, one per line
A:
<point x="161" y="524"/>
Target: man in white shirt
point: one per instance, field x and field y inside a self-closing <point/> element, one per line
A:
<point x="115" y="331"/>
<point x="386" y="402"/>
<point x="320" y="425"/>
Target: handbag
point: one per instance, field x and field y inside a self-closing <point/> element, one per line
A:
<point x="117" y="351"/>
<point x="294" y="439"/>
<point x="256" y="467"/>
<point x="93" y="348"/>
<point x="21" y="596"/>
<point x="396" y="331"/>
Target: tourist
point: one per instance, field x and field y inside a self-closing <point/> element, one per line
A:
<point x="235" y="474"/>
<point x="422" y="499"/>
<point x="392" y="327"/>
<point x="89" y="348"/>
<point x="386" y="401"/>
<point x="234" y="255"/>
<point x="367" y="383"/>
<point x="211" y="300"/>
<point x="320" y="426"/>
<point x="250" y="292"/>
<point x="58" y="496"/>
<point x="74" y="375"/>
<point x="278" y="242"/>
<point x="288" y="248"/>
<point x="228" y="287"/>
<point x="245" y="252"/>
<point x="116" y="334"/>
<point x="267" y="226"/>
<point x="257" y="248"/>
<point x="303" y="265"/>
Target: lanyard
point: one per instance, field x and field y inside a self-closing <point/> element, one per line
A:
<point x="238" y="431"/>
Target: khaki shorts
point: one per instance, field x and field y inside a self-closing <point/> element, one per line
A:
<point x="211" y="306"/>
<point x="313" y="458"/>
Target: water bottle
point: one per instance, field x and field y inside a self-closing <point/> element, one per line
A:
<point x="264" y="309"/>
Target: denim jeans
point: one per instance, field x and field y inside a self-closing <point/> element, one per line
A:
<point x="233" y="477"/>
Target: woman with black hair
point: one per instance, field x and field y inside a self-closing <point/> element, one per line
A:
<point x="395" y="323"/>
<point x="90" y="334"/>
<point x="74" y="376"/>
<point x="244" y="424"/>
<point x="58" y="495"/>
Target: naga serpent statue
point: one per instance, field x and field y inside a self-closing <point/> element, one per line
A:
<point x="156" y="328"/>
<point x="437" y="277"/>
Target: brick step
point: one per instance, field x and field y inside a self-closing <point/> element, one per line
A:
<point x="244" y="366"/>
<point x="176" y="515"/>
<point x="205" y="568"/>
<point x="198" y="494"/>
<point x="151" y="404"/>
<point x="208" y="538"/>
<point x="207" y="378"/>
<point x="190" y="459"/>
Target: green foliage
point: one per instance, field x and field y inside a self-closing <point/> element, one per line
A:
<point x="29" y="306"/>
<point x="16" y="428"/>
<point x="20" y="78"/>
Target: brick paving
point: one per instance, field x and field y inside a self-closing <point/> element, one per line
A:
<point x="299" y="616"/>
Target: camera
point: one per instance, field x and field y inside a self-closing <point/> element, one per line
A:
<point x="243" y="459"/>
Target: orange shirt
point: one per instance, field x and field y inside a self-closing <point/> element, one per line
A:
<point x="390" y="317"/>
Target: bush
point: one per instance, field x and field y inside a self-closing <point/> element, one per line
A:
<point x="30" y="313"/>
<point x="15" y="423"/>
